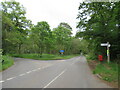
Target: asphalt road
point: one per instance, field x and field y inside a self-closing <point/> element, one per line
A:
<point x="71" y="73"/>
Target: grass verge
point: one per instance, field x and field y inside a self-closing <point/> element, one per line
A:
<point x="108" y="72"/>
<point x="8" y="61"/>
<point x="44" y="56"/>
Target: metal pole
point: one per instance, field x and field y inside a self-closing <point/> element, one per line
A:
<point x="108" y="54"/>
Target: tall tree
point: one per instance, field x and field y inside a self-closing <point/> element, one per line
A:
<point x="62" y="37"/>
<point x="100" y="26"/>
<point x="14" y="20"/>
<point x="40" y="35"/>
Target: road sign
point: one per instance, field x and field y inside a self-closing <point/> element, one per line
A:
<point x="61" y="50"/>
<point x="104" y="44"/>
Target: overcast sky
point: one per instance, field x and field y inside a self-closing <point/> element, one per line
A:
<point x="52" y="11"/>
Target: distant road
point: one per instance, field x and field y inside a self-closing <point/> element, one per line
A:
<point x="71" y="73"/>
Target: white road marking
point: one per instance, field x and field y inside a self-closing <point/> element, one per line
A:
<point x="2" y="81"/>
<point x="25" y="73"/>
<point x="62" y="60"/>
<point x="11" y="78"/>
<point x="45" y="66"/>
<point x="22" y="74"/>
<point x="34" y="70"/>
<point x="29" y="72"/>
<point x="54" y="79"/>
<point x="39" y="68"/>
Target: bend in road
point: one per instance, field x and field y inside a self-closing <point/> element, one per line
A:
<point x="71" y="73"/>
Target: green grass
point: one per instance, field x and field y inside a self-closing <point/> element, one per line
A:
<point x="44" y="56"/>
<point x="109" y="72"/>
<point x="8" y="61"/>
<point x="90" y="57"/>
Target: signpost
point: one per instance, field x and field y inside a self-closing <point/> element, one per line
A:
<point x="108" y="54"/>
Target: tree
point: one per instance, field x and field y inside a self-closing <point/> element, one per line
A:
<point x="40" y="35"/>
<point x="100" y="27"/>
<point x="15" y="39"/>
<point x="65" y="25"/>
<point x="16" y="13"/>
<point x="14" y="22"/>
<point x="62" y="37"/>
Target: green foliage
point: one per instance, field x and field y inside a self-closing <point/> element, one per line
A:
<point x="108" y="72"/>
<point x="62" y="38"/>
<point x="14" y="13"/>
<point x="98" y="24"/>
<point x="14" y="26"/>
<point x="41" y="35"/>
<point x="65" y="25"/>
<point x="8" y="61"/>
<point x="21" y="37"/>
<point x="91" y="56"/>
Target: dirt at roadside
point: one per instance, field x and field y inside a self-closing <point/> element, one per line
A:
<point x="92" y="64"/>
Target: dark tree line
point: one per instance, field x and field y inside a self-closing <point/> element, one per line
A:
<point x="99" y="22"/>
<point x="20" y="36"/>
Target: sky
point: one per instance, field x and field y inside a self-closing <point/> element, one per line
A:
<point x="52" y="11"/>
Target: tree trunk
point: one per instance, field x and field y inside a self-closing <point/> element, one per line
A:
<point x="19" y="48"/>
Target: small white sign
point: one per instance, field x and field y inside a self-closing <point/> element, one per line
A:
<point x="104" y="44"/>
